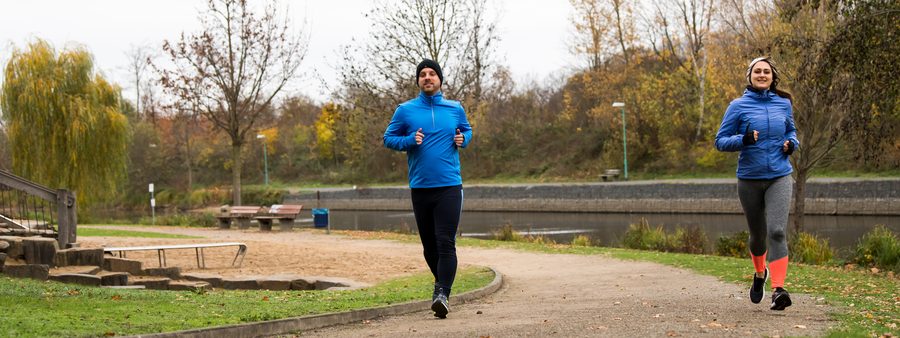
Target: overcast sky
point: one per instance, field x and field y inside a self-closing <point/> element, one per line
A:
<point x="533" y="32"/>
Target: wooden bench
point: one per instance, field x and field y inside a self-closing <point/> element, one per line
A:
<point x="242" y="214"/>
<point x="198" y="249"/>
<point x="284" y="213"/>
<point x="610" y="174"/>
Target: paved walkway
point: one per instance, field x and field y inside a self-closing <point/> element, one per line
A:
<point x="589" y="296"/>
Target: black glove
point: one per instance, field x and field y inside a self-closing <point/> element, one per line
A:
<point x="748" y="137"/>
<point x="790" y="149"/>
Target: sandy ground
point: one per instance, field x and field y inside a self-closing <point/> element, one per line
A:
<point x="544" y="295"/>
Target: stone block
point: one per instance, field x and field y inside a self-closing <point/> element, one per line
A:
<point x="79" y="256"/>
<point x="113" y="278"/>
<point x="240" y="283"/>
<point x="155" y="283"/>
<point x="3" y="246"/>
<point x="33" y="271"/>
<point x="172" y="272"/>
<point x="77" y="278"/>
<point x="80" y="269"/>
<point x="303" y="284"/>
<point x="275" y="284"/>
<point x="138" y="287"/>
<point x="38" y="250"/>
<point x="328" y="283"/>
<point x="122" y="265"/>
<point x="213" y="280"/>
<point x="188" y="286"/>
<point x="15" y="246"/>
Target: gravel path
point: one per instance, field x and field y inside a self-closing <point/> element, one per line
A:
<point x="544" y="295"/>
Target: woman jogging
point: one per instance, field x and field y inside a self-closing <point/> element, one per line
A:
<point x="760" y="124"/>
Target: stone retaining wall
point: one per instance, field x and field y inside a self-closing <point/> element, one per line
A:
<point x="827" y="197"/>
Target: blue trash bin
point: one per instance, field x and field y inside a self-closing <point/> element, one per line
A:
<point x="320" y="217"/>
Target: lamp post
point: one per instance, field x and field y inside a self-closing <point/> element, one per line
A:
<point x="265" y="157"/>
<point x="152" y="197"/>
<point x="624" y="137"/>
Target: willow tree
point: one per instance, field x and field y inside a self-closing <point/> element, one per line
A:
<point x="233" y="69"/>
<point x="64" y="121"/>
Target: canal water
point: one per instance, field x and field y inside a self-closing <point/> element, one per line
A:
<point x="843" y="232"/>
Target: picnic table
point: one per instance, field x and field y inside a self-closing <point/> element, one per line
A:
<point x="242" y="214"/>
<point x="284" y="213"/>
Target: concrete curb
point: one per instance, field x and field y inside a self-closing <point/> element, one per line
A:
<point x="306" y="323"/>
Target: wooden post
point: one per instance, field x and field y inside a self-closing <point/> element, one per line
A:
<point x="65" y="212"/>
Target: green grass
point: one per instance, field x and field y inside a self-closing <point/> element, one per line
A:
<point x="866" y="304"/>
<point x="99" y="232"/>
<point x="47" y="309"/>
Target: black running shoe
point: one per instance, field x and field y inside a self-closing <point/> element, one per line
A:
<point x="780" y="299"/>
<point x="758" y="289"/>
<point x="440" y="306"/>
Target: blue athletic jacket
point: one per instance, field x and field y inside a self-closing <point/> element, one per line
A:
<point x="435" y="162"/>
<point x="773" y="117"/>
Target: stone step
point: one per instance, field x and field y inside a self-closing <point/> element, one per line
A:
<point x="155" y="283"/>
<point x="77" y="269"/>
<point x="195" y="286"/>
<point x="77" y="278"/>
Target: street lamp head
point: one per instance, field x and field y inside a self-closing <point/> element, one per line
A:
<point x="260" y="136"/>
<point x="618" y="104"/>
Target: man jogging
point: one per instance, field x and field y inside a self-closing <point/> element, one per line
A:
<point x="431" y="130"/>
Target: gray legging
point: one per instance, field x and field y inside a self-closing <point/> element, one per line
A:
<point x="767" y="204"/>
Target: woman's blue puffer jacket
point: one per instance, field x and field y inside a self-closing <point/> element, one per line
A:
<point x="772" y="116"/>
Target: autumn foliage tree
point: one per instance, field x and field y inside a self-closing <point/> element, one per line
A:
<point x="233" y="69"/>
<point x="64" y="122"/>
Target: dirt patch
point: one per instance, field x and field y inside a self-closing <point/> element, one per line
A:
<point x="545" y="294"/>
<point x="305" y="253"/>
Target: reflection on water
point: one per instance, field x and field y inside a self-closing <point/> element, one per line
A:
<point x="607" y="228"/>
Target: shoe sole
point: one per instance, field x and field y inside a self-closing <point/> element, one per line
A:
<point x="439" y="309"/>
<point x="765" y="280"/>
<point x="780" y="303"/>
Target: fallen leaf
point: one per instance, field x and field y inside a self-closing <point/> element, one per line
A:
<point x="671" y="333"/>
<point x="800" y="326"/>
<point x="478" y="312"/>
<point x="874" y="270"/>
<point x="714" y="324"/>
<point x="617" y="318"/>
<point x="116" y="297"/>
<point x="617" y="303"/>
<point x="265" y="298"/>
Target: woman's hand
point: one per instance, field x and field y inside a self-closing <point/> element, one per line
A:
<point x="788" y="147"/>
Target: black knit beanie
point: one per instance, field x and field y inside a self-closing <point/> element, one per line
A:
<point x="428" y="63"/>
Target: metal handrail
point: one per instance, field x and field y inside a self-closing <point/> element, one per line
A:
<point x="64" y="200"/>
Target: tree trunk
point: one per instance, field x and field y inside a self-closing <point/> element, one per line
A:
<point x="236" y="165"/>
<point x="799" y="198"/>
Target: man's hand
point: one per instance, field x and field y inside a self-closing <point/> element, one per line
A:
<point x="419" y="136"/>
<point x="459" y="138"/>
